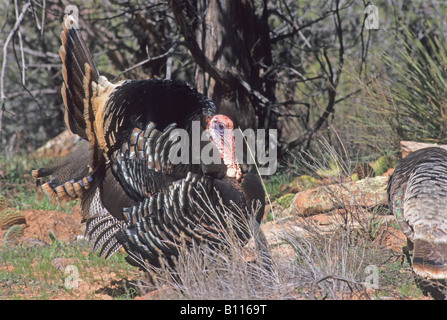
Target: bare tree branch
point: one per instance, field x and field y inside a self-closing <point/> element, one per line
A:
<point x="332" y="78"/>
<point x="5" y="58"/>
<point x="32" y="92"/>
<point x="276" y="64"/>
<point x="149" y="59"/>
<point x="32" y="52"/>
<point x="22" y="55"/>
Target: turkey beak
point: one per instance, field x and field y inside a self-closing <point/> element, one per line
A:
<point x="223" y="137"/>
<point x="229" y="155"/>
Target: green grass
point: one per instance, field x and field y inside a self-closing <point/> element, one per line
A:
<point x="272" y="183"/>
<point x="16" y="169"/>
<point x="27" y="269"/>
<point x="28" y="198"/>
<point x="286" y="200"/>
<point x="396" y="273"/>
<point x="30" y="271"/>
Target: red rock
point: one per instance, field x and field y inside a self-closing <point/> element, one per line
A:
<point x="367" y="192"/>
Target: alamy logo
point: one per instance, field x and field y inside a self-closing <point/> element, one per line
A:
<point x="252" y="143"/>
<point x="257" y="148"/>
<point x="372" y="279"/>
<point x="372" y="18"/>
<point x="72" y="280"/>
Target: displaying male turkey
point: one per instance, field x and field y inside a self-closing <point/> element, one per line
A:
<point x="133" y="194"/>
<point x="417" y="196"/>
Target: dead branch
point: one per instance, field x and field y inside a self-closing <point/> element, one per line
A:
<point x="149" y="59"/>
<point x="33" y="92"/>
<point x="332" y="79"/>
<point x="22" y="55"/>
<point x="5" y="58"/>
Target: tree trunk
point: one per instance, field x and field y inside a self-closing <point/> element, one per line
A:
<point x="230" y="44"/>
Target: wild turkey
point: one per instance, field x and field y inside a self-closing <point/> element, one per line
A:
<point x="133" y="194"/>
<point x="417" y="196"/>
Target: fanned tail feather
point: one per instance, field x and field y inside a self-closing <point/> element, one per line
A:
<point x="78" y="71"/>
<point x="69" y="190"/>
<point x="85" y="92"/>
<point x="430" y="259"/>
<point x="71" y="177"/>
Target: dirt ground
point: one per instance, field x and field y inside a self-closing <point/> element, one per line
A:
<point x="43" y="227"/>
<point x="64" y="226"/>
